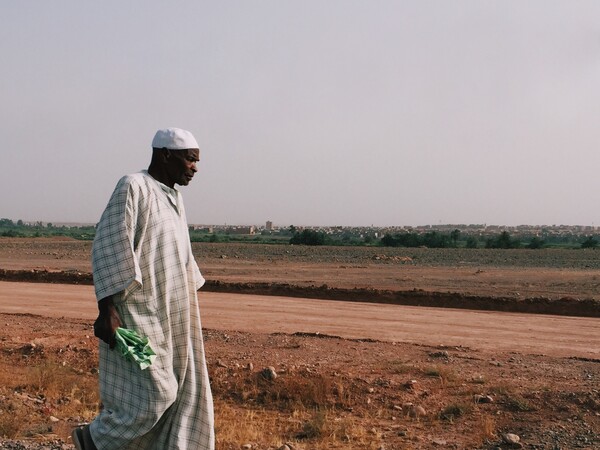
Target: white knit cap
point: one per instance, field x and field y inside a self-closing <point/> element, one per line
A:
<point x="174" y="139"/>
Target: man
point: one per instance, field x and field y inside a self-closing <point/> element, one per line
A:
<point x="146" y="279"/>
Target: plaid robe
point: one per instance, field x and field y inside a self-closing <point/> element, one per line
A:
<point x="142" y="256"/>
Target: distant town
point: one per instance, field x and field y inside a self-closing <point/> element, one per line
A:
<point x="481" y="230"/>
<point x="448" y="235"/>
<point x="478" y="235"/>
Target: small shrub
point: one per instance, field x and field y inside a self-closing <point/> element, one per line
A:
<point x="314" y="427"/>
<point x="452" y="412"/>
<point x="478" y="380"/>
<point x="13" y="418"/>
<point x="432" y="372"/>
<point x="518" y="404"/>
<point x="589" y="242"/>
<point x="445" y="374"/>
<point x="346" y="397"/>
<point x="400" y="367"/>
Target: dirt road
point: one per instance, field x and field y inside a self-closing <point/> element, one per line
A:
<point x="483" y="330"/>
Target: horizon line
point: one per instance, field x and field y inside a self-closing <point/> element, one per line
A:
<point x="484" y="224"/>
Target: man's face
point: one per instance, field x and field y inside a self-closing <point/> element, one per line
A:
<point x="181" y="165"/>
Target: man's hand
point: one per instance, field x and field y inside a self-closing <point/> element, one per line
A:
<point x="107" y="322"/>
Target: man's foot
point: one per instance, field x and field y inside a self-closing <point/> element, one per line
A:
<point x="82" y="439"/>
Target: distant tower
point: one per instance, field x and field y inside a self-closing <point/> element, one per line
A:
<point x="269" y="225"/>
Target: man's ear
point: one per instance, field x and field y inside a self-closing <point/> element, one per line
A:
<point x="165" y="154"/>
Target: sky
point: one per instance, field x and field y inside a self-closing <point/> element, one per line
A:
<point x="336" y="112"/>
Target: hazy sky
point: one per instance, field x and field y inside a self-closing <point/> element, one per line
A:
<point x="308" y="112"/>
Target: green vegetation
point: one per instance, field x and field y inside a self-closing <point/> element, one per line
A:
<point x="589" y="242"/>
<point x="308" y="237"/>
<point x="536" y="242"/>
<point x="222" y="236"/>
<point x="426" y="237"/>
<point x="503" y="240"/>
<point x="432" y="239"/>
<point x="471" y="242"/>
<point x="8" y="228"/>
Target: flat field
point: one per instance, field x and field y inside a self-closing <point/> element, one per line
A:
<point x="522" y="273"/>
<point x="346" y="381"/>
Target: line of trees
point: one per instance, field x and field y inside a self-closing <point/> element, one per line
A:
<point x="432" y="239"/>
<point x="503" y="240"/>
<point x="10" y="228"/>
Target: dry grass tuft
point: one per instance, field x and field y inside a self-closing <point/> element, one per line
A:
<point x="234" y="427"/>
<point x="445" y="374"/>
<point x="13" y="417"/>
<point x="400" y="367"/>
<point x="487" y="428"/>
<point x="315" y="426"/>
<point x="511" y="398"/>
<point x="285" y="392"/>
<point x="346" y="396"/>
<point x="480" y="379"/>
<point x="516" y="403"/>
<point x="33" y="393"/>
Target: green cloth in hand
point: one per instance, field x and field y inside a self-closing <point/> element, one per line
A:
<point x="134" y="347"/>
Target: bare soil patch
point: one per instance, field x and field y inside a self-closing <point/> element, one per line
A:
<point x="329" y="393"/>
<point x="539" y="281"/>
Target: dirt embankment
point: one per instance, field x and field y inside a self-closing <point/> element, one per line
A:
<point x="547" y="281"/>
<point x="567" y="306"/>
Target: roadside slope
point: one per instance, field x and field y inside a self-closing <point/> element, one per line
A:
<point x="566" y="306"/>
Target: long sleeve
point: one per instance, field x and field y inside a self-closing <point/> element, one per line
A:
<point x="114" y="262"/>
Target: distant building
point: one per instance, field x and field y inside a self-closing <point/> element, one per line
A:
<point x="269" y="226"/>
<point x="208" y="229"/>
<point x="241" y="230"/>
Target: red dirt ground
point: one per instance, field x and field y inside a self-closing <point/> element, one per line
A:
<point x="542" y="371"/>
